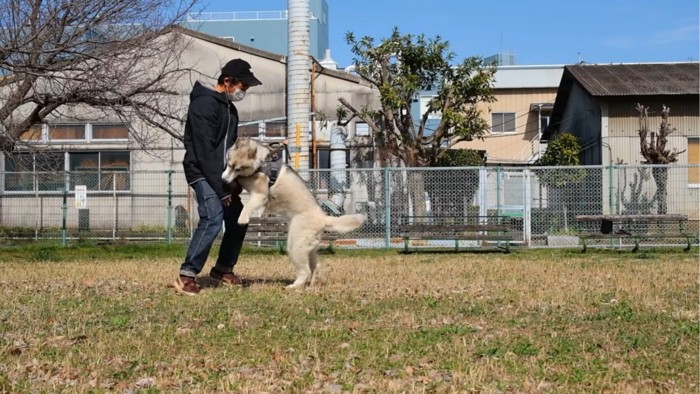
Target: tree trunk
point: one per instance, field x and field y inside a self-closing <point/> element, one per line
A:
<point x="416" y="191"/>
<point x="661" y="177"/>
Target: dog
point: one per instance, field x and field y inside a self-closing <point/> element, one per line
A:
<point x="277" y="188"/>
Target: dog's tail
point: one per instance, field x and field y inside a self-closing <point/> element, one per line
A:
<point x="344" y="223"/>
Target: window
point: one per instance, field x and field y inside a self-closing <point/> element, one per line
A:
<point x="114" y="167"/>
<point x="694" y="159"/>
<point x="58" y="132"/>
<point x="106" y="170"/>
<point x="324" y="158"/>
<point x="275" y="129"/>
<point x="110" y="132"/>
<point x="84" y="170"/>
<point x="19" y="168"/>
<point x="502" y="122"/>
<point x="78" y="132"/>
<point x="361" y="129"/>
<point x="46" y="171"/>
<point x="249" y="131"/>
<point x="34" y="134"/>
<point x="23" y="168"/>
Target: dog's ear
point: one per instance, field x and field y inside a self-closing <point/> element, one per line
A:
<point x="240" y="141"/>
<point x="252" y="153"/>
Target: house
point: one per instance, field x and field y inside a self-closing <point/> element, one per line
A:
<point x="129" y="186"/>
<point x="524" y="100"/>
<point x="597" y="104"/>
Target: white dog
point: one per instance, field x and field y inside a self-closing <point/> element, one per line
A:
<point x="277" y="188"/>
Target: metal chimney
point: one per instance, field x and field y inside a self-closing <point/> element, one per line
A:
<point x="298" y="83"/>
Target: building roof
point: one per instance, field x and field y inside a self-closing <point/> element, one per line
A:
<point x="649" y="79"/>
<point x="625" y="80"/>
<point x="261" y="53"/>
<point x="522" y="77"/>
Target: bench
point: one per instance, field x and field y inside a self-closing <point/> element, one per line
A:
<point x="633" y="227"/>
<point x="457" y="228"/>
<point x="273" y="229"/>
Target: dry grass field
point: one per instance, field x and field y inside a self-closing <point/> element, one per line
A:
<point x="103" y="319"/>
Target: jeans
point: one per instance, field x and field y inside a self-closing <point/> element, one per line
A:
<point x="212" y="214"/>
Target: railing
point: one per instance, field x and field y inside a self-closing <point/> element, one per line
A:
<point x="236" y="16"/>
<point x="531" y="152"/>
<point x="541" y="202"/>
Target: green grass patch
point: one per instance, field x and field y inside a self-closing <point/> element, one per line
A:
<point x="102" y="318"/>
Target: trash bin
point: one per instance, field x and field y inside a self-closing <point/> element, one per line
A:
<point x="83" y="219"/>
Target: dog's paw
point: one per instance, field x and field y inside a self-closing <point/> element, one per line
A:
<point x="243" y="219"/>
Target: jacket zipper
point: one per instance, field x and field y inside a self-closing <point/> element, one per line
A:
<point x="228" y="124"/>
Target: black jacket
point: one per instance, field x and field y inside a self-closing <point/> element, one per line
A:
<point x="211" y="129"/>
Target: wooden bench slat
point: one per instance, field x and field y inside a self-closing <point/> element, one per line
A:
<point x="457" y="228"/>
<point x="268" y="219"/>
<point x="631" y="217"/>
<point x="651" y="235"/>
<point x="267" y="229"/>
<point x="274" y="229"/>
<point x="474" y="237"/>
<point x="660" y="225"/>
<point x="265" y="238"/>
<point x="452" y="228"/>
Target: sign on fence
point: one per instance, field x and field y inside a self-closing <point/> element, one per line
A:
<point x="81" y="196"/>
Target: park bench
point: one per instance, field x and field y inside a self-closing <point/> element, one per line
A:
<point x="272" y="231"/>
<point x="488" y="229"/>
<point x="633" y="227"/>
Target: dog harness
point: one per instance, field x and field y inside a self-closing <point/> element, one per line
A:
<point x="272" y="165"/>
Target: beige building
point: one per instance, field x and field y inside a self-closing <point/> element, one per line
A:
<point x="524" y="100"/>
<point x="83" y="147"/>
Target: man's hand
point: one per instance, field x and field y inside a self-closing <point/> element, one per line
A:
<point x="226" y="201"/>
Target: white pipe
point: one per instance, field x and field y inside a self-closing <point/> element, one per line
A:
<point x="338" y="179"/>
<point x="298" y="82"/>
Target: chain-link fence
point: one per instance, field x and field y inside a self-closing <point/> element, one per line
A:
<point x="541" y="203"/>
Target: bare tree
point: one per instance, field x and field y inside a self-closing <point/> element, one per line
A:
<point x="653" y="149"/>
<point x="90" y="59"/>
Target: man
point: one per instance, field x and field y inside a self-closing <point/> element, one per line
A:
<point x="211" y="129"/>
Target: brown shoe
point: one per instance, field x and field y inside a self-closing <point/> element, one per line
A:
<point x="225" y="278"/>
<point x="187" y="285"/>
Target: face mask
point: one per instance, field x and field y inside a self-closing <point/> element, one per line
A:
<point x="236" y="96"/>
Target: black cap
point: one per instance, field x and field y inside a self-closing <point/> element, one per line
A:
<point x="239" y="68"/>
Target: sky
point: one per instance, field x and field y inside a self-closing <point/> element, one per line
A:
<point x="536" y="32"/>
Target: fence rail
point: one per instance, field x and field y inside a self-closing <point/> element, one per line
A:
<point x="540" y="202"/>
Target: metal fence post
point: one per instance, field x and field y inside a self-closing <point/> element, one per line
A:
<point x="64" y="209"/>
<point x="618" y="190"/>
<point x="611" y="203"/>
<point x="387" y="207"/>
<point x="527" y="214"/>
<point x="498" y="191"/>
<point x="115" y="208"/>
<point x="38" y="202"/>
<point x="170" y="207"/>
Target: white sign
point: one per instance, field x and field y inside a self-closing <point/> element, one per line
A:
<point x="80" y="196"/>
